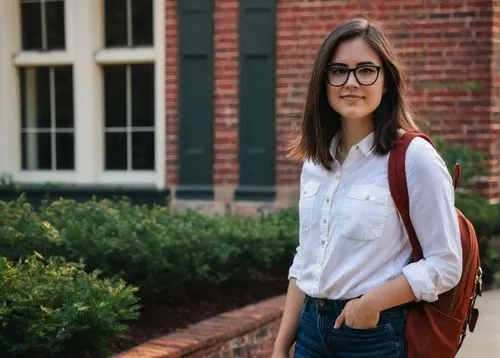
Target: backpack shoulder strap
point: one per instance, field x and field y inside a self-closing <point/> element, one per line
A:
<point x="399" y="188"/>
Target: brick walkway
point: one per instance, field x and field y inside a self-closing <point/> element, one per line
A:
<point x="485" y="341"/>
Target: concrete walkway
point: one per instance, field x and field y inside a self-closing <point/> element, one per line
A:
<point x="485" y="341"/>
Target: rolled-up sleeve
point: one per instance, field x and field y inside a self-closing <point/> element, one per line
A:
<point x="434" y="218"/>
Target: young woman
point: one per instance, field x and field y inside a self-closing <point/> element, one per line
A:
<point x="352" y="276"/>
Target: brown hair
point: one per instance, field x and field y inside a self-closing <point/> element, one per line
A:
<point x="320" y="122"/>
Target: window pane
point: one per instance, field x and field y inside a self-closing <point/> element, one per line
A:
<point x="54" y="11"/>
<point x="31" y="25"/>
<point x="143" y="151"/>
<point x="143" y="103"/>
<point x="65" y="151"/>
<point x="35" y="93"/>
<point x="115" y="96"/>
<point x="116" y="151"/>
<point x="64" y="96"/>
<point x="142" y="22"/>
<point x="36" y="151"/>
<point x="115" y="23"/>
<point x="42" y="97"/>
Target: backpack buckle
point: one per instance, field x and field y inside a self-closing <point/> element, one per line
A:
<point x="479" y="282"/>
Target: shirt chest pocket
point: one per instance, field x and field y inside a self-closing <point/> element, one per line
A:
<point x="308" y="198"/>
<point x="364" y="212"/>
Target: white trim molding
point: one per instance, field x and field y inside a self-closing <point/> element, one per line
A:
<point x="53" y="58"/>
<point x="125" y="56"/>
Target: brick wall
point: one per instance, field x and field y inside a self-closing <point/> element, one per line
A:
<point x="452" y="62"/>
<point x="246" y="332"/>
<point x="226" y="93"/>
<point x="446" y="47"/>
<point x="257" y="343"/>
<point x="171" y="96"/>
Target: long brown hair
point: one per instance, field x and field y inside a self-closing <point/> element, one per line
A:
<point x="320" y="122"/>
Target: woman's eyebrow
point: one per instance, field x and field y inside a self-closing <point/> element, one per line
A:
<point x="358" y="64"/>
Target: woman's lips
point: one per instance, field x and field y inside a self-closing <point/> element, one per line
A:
<point x="350" y="97"/>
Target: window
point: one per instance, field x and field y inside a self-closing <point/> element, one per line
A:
<point x="47" y="128"/>
<point x="82" y="91"/>
<point x="128" y="23"/>
<point x="46" y="93"/>
<point x="129" y="117"/>
<point x="42" y="23"/>
<point x="129" y="120"/>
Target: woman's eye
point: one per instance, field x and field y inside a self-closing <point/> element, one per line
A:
<point x="366" y="70"/>
<point x="338" y="71"/>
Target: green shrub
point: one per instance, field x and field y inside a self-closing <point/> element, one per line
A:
<point x="51" y="308"/>
<point x="149" y="246"/>
<point x="484" y="217"/>
<point x="486" y="221"/>
<point x="471" y="161"/>
<point x="21" y="231"/>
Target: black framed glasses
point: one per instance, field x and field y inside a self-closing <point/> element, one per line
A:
<point x="366" y="75"/>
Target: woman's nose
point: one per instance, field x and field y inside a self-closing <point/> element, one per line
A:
<point x="351" y="80"/>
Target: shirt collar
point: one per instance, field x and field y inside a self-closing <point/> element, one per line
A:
<point x="366" y="145"/>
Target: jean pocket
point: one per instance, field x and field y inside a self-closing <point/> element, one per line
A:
<point x="372" y="342"/>
<point x="304" y="307"/>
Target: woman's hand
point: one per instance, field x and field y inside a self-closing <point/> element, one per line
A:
<point x="358" y="314"/>
<point x="279" y="354"/>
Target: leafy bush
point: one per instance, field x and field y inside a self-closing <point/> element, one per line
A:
<point x="470" y="161"/>
<point x="150" y="247"/>
<point x="51" y="308"/>
<point x="485" y="217"/>
<point x="486" y="221"/>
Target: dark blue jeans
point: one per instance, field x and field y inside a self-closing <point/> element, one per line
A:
<point x="316" y="337"/>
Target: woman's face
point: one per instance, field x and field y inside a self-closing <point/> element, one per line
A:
<point x="352" y="100"/>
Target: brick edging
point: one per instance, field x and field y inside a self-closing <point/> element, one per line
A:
<point x="209" y="332"/>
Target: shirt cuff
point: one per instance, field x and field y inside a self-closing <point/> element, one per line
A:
<point x="420" y="282"/>
<point x="293" y="272"/>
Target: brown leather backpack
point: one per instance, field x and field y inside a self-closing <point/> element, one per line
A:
<point x="437" y="329"/>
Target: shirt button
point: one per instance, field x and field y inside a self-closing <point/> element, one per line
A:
<point x="337" y="177"/>
<point x="357" y="148"/>
<point x="327" y="200"/>
<point x="324" y="221"/>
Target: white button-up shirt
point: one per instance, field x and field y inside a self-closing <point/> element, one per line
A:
<point x="352" y="238"/>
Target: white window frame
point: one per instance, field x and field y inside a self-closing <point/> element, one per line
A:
<point x="84" y="25"/>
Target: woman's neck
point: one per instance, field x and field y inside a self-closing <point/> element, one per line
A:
<point x="353" y="131"/>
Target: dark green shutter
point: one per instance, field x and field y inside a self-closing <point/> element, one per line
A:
<point x="257" y="100"/>
<point x="195" y="99"/>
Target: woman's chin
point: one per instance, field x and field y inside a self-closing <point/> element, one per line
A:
<point x="353" y="116"/>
